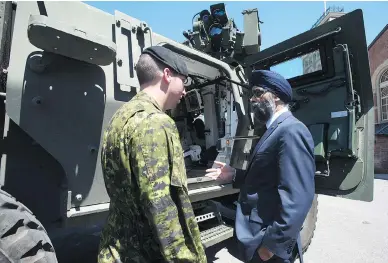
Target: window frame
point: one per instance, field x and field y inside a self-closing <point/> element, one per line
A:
<point x="383" y="84"/>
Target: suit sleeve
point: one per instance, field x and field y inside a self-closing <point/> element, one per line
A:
<point x="152" y="169"/>
<point x="296" y="190"/>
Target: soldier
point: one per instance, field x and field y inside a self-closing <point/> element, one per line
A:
<point x="150" y="216"/>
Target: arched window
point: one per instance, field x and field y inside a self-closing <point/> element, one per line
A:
<point x="383" y="84"/>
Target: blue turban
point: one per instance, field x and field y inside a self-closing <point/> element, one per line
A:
<point x="272" y="82"/>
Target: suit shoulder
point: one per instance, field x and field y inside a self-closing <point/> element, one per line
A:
<point x="295" y="126"/>
<point x="296" y="132"/>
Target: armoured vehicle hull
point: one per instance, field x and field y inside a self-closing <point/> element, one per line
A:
<point x="67" y="67"/>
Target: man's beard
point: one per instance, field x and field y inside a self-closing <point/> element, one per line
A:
<point x="263" y="110"/>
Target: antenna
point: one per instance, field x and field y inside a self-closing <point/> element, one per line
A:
<point x="324" y="7"/>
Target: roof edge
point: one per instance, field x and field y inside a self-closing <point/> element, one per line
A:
<point x="378" y="36"/>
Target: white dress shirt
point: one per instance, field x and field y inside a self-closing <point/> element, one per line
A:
<point x="275" y="116"/>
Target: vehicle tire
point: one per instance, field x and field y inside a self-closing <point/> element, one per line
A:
<point x="308" y="228"/>
<point x="309" y="225"/>
<point x="23" y="239"/>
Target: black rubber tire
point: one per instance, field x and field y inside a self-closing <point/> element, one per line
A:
<point x="309" y="225"/>
<point x="23" y="239"/>
<point x="307" y="233"/>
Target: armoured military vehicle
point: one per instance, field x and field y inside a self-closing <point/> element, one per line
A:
<point x="67" y="67"/>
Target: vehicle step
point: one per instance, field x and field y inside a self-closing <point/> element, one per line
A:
<point x="216" y="235"/>
<point x="205" y="217"/>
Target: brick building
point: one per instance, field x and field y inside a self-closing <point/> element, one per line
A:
<point x="378" y="61"/>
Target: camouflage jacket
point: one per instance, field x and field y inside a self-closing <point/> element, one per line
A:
<point x="150" y="216"/>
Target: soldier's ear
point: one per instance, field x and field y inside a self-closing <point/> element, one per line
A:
<point x="167" y="75"/>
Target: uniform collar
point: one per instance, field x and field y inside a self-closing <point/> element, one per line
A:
<point x="275" y="116"/>
<point x="145" y="97"/>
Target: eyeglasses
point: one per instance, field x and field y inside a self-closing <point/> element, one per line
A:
<point x="257" y="92"/>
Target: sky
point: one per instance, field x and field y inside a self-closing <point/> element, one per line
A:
<point x="282" y="20"/>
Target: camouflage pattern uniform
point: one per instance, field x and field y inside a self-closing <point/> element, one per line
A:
<point x="150" y="215"/>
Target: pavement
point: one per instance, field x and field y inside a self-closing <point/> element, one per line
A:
<point x="347" y="231"/>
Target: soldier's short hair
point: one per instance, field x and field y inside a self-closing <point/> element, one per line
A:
<point x="156" y="58"/>
<point x="148" y="69"/>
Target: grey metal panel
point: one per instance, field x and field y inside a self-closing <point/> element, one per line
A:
<point x="64" y="104"/>
<point x="210" y="192"/>
<point x="5" y="32"/>
<point x="69" y="40"/>
<point x="337" y="97"/>
<point x="63" y="107"/>
<point x="211" y="127"/>
<point x="251" y="30"/>
<point x="33" y="176"/>
<point x="130" y="43"/>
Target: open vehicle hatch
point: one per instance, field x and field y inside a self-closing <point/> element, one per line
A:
<point x="333" y="97"/>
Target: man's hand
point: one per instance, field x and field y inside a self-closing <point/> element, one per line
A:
<point x="265" y="254"/>
<point x="222" y="173"/>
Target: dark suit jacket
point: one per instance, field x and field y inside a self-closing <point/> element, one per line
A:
<point x="277" y="189"/>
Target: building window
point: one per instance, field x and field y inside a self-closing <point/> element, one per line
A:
<point x="384" y="95"/>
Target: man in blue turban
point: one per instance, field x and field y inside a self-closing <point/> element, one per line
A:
<point x="277" y="188"/>
<point x="271" y="94"/>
